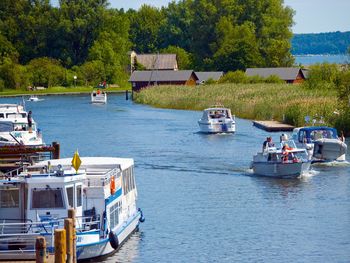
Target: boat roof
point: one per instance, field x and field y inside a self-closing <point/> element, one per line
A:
<point x="316" y="128"/>
<point x="90" y="163"/>
<point x="216" y="108"/>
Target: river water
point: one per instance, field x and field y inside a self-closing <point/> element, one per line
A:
<point x="199" y="197"/>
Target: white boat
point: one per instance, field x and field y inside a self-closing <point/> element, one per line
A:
<point x="285" y="161"/>
<point x="217" y="120"/>
<point x="102" y="191"/>
<point x="99" y="97"/>
<point x="34" y="98"/>
<point x="14" y="127"/>
<point x="322" y="143"/>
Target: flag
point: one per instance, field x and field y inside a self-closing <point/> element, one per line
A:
<point x="76" y="162"/>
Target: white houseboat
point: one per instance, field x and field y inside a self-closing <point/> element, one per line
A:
<point x="15" y="129"/>
<point x="285" y="161"/>
<point x="102" y="192"/>
<point x="99" y="97"/>
<point x="217" y="120"/>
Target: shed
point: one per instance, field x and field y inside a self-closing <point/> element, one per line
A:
<point x="155" y="61"/>
<point x="203" y="76"/>
<point x="142" y="79"/>
<point x="289" y="75"/>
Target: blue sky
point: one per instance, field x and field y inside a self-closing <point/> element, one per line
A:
<point x="312" y="16"/>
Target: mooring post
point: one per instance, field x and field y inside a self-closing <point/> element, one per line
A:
<point x="71" y="215"/>
<point x="68" y="226"/>
<point x="126" y="94"/>
<point x="60" y="246"/>
<point x="40" y="250"/>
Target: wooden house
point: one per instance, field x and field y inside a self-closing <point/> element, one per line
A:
<point x="154" y="61"/>
<point x="289" y="75"/>
<point x="146" y="78"/>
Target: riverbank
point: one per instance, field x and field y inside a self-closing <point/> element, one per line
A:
<point x="282" y="102"/>
<point x="59" y="91"/>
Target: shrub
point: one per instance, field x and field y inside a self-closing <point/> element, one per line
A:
<point x="237" y="76"/>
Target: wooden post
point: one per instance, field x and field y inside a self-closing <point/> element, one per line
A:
<point x="56" y="153"/>
<point x="60" y="246"/>
<point x="126" y="94"/>
<point x="40" y="250"/>
<point x="71" y="214"/>
<point x="68" y="226"/>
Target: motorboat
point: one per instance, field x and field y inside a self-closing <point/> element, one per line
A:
<point x="34" y="98"/>
<point x="217" y="120"/>
<point x="102" y="191"/>
<point x="99" y="97"/>
<point x="284" y="161"/>
<point x="322" y="143"/>
<point x="14" y="127"/>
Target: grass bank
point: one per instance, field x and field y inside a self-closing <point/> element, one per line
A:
<point x="58" y="90"/>
<point x="249" y="101"/>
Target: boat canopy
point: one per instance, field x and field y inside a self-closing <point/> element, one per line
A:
<point x="310" y="134"/>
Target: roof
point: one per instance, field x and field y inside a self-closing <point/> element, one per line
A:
<point x="157" y="61"/>
<point x="317" y="128"/>
<point x="282" y="73"/>
<point x="205" y="75"/>
<point x="164" y="75"/>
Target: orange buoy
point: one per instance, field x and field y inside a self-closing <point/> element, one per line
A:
<point x="112" y="185"/>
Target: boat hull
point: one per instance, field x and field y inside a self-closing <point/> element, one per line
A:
<point x="280" y="170"/>
<point x="329" y="150"/>
<point x="99" y="98"/>
<point x="220" y="127"/>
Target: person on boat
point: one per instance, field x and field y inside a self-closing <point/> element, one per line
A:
<point x="268" y="143"/>
<point x="285" y="153"/>
<point x="98" y="91"/>
<point x="342" y="137"/>
<point x="30" y="121"/>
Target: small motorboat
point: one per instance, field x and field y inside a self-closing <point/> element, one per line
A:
<point x="217" y="120"/>
<point x="322" y="143"/>
<point x="34" y="98"/>
<point x="284" y="161"/>
<point x="99" y="97"/>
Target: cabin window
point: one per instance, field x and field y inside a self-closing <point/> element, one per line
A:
<point x="114" y="211"/>
<point x="79" y="196"/>
<point x="70" y="195"/>
<point x="6" y="127"/>
<point x="47" y="198"/>
<point x="128" y="180"/>
<point x="9" y="197"/>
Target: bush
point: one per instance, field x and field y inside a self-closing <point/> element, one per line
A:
<point x="322" y="76"/>
<point x="273" y="79"/>
<point x="234" y="77"/>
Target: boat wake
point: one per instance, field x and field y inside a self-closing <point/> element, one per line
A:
<point x="309" y="173"/>
<point x="332" y="164"/>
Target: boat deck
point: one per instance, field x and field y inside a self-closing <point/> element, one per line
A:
<point x="273" y="126"/>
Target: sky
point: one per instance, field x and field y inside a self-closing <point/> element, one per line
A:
<point x="312" y="16"/>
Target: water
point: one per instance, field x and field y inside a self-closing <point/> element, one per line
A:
<point x="313" y="59"/>
<point x="200" y="200"/>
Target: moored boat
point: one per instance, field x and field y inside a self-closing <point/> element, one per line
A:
<point x="285" y="161"/>
<point x="217" y="120"/>
<point x="99" y="97"/>
<point x="102" y="192"/>
<point x="34" y="98"/>
<point x="322" y="143"/>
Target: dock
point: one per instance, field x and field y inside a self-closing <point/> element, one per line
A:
<point x="273" y="126"/>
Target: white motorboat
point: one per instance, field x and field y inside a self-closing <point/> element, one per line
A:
<point x="34" y="98"/>
<point x="285" y="161"/>
<point x="217" y="120"/>
<point x="14" y="127"/>
<point x="102" y="191"/>
<point x="99" y="97"/>
<point x="322" y="143"/>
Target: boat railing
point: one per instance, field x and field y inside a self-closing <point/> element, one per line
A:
<point x="99" y="179"/>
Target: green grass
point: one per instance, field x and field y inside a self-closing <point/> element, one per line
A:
<point x="251" y="101"/>
<point x="58" y="90"/>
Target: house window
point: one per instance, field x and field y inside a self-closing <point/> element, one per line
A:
<point x="47" y="198"/>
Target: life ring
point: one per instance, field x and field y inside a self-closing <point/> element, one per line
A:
<point x="112" y="186"/>
<point x="113" y="240"/>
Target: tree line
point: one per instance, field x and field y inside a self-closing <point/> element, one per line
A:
<point x="47" y="45"/>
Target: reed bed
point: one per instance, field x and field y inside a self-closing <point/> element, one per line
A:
<point x="282" y="102"/>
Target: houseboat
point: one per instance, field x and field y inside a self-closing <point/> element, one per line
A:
<point x="102" y="191"/>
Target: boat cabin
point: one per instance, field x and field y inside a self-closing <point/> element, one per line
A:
<point x="216" y="113"/>
<point x="311" y="134"/>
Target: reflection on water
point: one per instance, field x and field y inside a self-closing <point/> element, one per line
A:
<point x="200" y="200"/>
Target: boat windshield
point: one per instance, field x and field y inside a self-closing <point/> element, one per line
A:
<point x="14" y="115"/>
<point x="219" y="113"/>
<point x="47" y="198"/>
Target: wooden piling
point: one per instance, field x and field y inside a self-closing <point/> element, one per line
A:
<point x="40" y="250"/>
<point x="126" y="94"/>
<point x="71" y="215"/>
<point x="68" y="226"/>
<point x="60" y="246"/>
<point x="56" y="152"/>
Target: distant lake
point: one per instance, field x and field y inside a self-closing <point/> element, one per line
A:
<point x="313" y="59"/>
